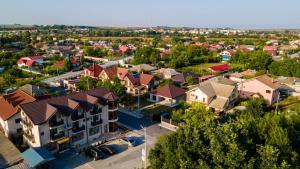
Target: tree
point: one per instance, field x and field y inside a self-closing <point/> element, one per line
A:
<point x="240" y="140"/>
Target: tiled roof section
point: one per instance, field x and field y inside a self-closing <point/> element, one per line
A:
<point x="41" y="110"/>
<point x="169" y="91"/>
<point x="95" y="70"/>
<point x="32" y="90"/>
<point x="9" y="103"/>
<point x="265" y="79"/>
<point x="116" y="71"/>
<point x="220" y="68"/>
<point x="145" y="79"/>
<point x="181" y="78"/>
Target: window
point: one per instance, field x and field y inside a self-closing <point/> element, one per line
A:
<point x="94" y="130"/>
<point x="77" y="137"/>
<point x="95" y="118"/>
<point x="203" y="99"/>
<point x="268" y="91"/>
<point x="42" y="133"/>
<point x="19" y="130"/>
<point x="18" y="120"/>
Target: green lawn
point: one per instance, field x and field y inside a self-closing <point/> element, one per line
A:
<point x="157" y="108"/>
<point x="202" y="69"/>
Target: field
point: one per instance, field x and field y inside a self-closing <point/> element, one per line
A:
<point x="114" y="38"/>
<point x="202" y="69"/>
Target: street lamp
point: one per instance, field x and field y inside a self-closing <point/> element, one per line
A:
<point x="144" y="151"/>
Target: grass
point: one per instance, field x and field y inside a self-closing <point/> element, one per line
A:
<point x="157" y="109"/>
<point x="202" y="69"/>
<point x="290" y="103"/>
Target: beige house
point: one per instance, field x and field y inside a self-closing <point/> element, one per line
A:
<point x="70" y="121"/>
<point x="138" y="84"/>
<point x="218" y="93"/>
<point x="168" y="95"/>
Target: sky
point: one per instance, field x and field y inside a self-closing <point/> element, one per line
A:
<point x="145" y="13"/>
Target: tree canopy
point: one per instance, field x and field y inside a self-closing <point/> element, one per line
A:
<point x="242" y="139"/>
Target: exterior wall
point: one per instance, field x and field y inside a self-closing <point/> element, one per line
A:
<point x="12" y="126"/>
<point x="198" y="96"/>
<point x="255" y="86"/>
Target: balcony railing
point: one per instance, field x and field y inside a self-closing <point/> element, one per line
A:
<point x="57" y="136"/>
<point x="75" y="116"/>
<point x="112" y="105"/>
<point x="96" y="111"/>
<point x="77" y="129"/>
<point x="56" y="123"/>
<point x="96" y="123"/>
<point x="28" y="136"/>
<point x="26" y="123"/>
<point x="113" y="116"/>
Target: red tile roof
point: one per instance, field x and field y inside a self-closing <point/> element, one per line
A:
<point x="59" y="64"/>
<point x="145" y="79"/>
<point x="116" y="71"/>
<point x="169" y="91"/>
<point x="9" y="103"/>
<point x="94" y="70"/>
<point x="220" y="68"/>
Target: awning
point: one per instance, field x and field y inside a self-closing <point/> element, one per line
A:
<point x="63" y="140"/>
<point x="37" y="156"/>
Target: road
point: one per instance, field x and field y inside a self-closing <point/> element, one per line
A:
<point x="62" y="77"/>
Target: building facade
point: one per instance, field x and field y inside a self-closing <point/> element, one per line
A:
<point x="70" y="121"/>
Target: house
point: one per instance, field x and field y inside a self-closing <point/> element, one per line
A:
<point x="124" y="48"/>
<point x="138" y="84"/>
<point x="93" y="71"/>
<point x="218" y="93"/>
<point x="168" y="95"/>
<point x="226" y="54"/>
<point x="236" y="77"/>
<point x="180" y="79"/>
<point x="219" y="68"/>
<point x="249" y="73"/>
<point x="247" y="48"/>
<point x="10" y="113"/>
<point x="264" y="86"/>
<point x="166" y="73"/>
<point x="33" y="90"/>
<point x="71" y="84"/>
<point x="110" y="73"/>
<point x="272" y="50"/>
<point x="70" y="121"/>
<point x="290" y="85"/>
<point x="143" y="68"/>
<point x="30" y="61"/>
<point x="206" y="77"/>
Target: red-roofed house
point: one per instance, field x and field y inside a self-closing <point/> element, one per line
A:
<point x="10" y="117"/>
<point x="272" y="50"/>
<point x="138" y="84"/>
<point x="168" y="95"/>
<point x="93" y="71"/>
<point x="30" y="61"/>
<point x="124" y="48"/>
<point x="220" y="68"/>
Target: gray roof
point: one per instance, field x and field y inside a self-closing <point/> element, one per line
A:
<point x="9" y="154"/>
<point x="218" y="103"/>
<point x="32" y="90"/>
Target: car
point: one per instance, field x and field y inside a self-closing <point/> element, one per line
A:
<point x="108" y="149"/>
<point x="100" y="152"/>
<point x="129" y="140"/>
<point x="95" y="154"/>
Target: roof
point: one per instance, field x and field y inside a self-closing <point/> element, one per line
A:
<point x="41" y="110"/>
<point x="95" y="70"/>
<point x="36" y="156"/>
<point x="59" y="64"/>
<point x="169" y="91"/>
<point x="249" y="72"/>
<point x="220" y="68"/>
<point x="32" y="90"/>
<point x="145" y="79"/>
<point x="116" y="71"/>
<point x="141" y="67"/>
<point x="167" y="71"/>
<point x="9" y="154"/>
<point x="206" y="77"/>
<point x="268" y="81"/>
<point x="181" y="78"/>
<point x="9" y="103"/>
<point x="218" y="103"/>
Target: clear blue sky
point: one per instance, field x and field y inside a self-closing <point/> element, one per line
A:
<point x="193" y="13"/>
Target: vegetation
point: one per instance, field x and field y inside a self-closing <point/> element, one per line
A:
<point x="244" y="139"/>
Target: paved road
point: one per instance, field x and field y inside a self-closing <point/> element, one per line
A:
<point x="133" y="122"/>
<point x="62" y="77"/>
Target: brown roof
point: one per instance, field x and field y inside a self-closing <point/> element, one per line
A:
<point x="265" y="79"/>
<point x="145" y="79"/>
<point x="40" y="111"/>
<point x="9" y="103"/>
<point x="181" y="78"/>
<point x="116" y="71"/>
<point x="95" y="70"/>
<point x="169" y="91"/>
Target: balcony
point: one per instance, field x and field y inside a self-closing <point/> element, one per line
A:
<point x="113" y="116"/>
<point x="26" y="123"/>
<point x="96" y="123"/>
<point x="112" y="106"/>
<point x="28" y="136"/>
<point x="57" y="136"/>
<point x="75" y="116"/>
<point x="77" y="129"/>
<point x="55" y="123"/>
<point x="96" y="111"/>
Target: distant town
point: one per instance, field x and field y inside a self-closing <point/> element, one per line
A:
<point x="154" y="97"/>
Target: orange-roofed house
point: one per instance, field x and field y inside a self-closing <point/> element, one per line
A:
<point x="93" y="71"/>
<point x="10" y="118"/>
<point x="138" y="84"/>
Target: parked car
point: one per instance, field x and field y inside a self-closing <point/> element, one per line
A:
<point x="108" y="149"/>
<point x="95" y="154"/>
<point x="129" y="140"/>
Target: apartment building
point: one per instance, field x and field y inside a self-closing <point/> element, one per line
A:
<point x="70" y="121"/>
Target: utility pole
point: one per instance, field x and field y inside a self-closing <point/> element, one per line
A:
<point x="276" y="110"/>
<point x="144" y="151"/>
<point x="139" y="92"/>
